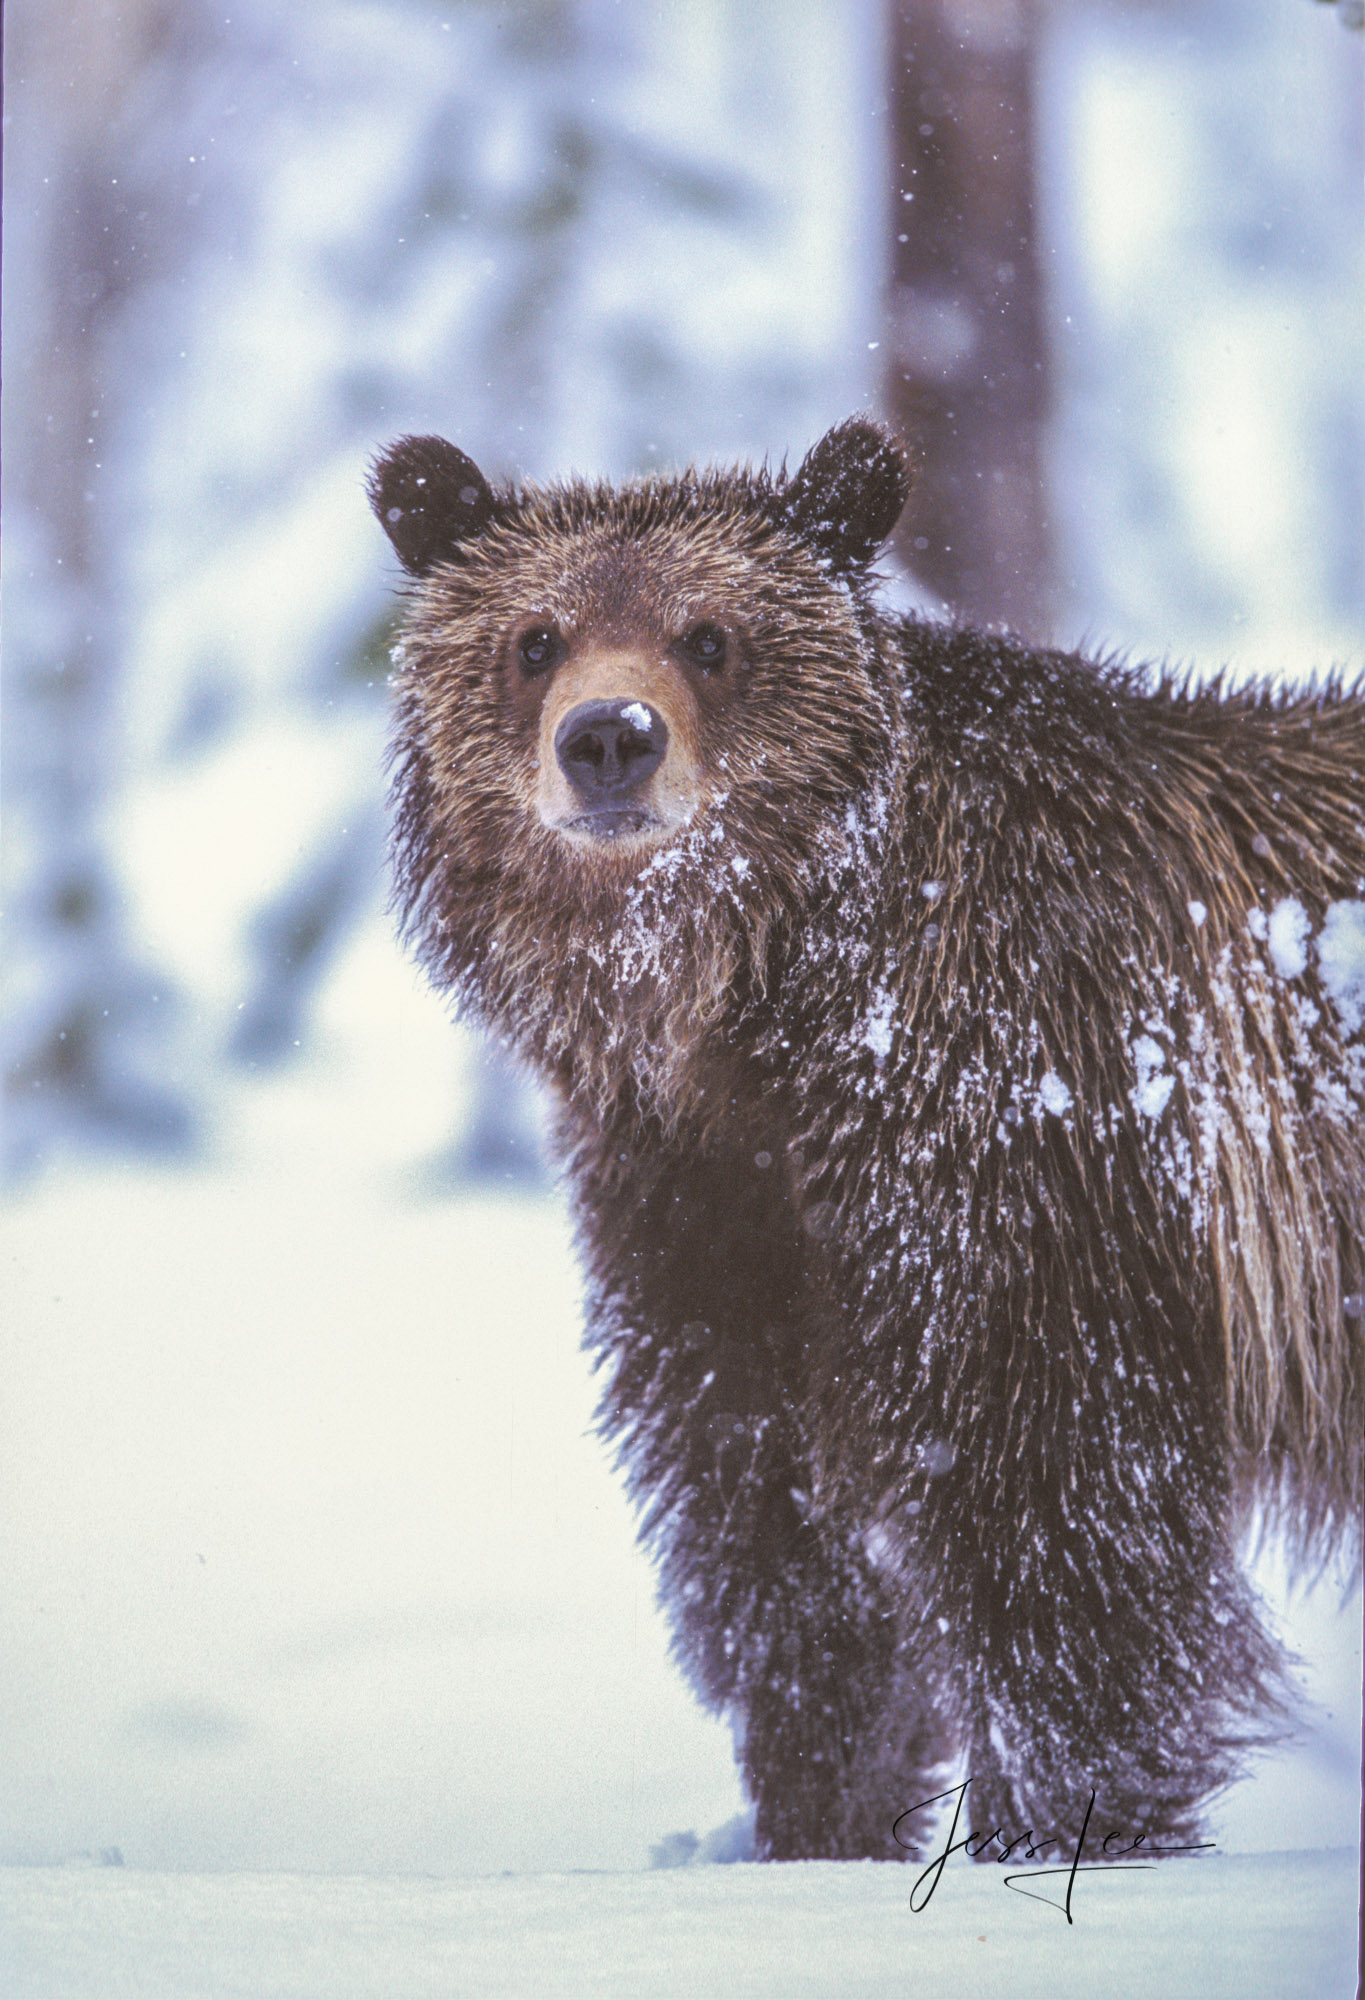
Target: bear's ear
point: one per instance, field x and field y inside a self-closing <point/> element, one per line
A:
<point x="429" y="498"/>
<point x="848" y="492"/>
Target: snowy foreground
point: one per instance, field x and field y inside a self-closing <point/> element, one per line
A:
<point x="1237" y="1926"/>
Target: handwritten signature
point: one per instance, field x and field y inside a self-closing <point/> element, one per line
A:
<point x="975" y="1844"/>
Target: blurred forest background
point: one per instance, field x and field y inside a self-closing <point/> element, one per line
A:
<point x="293" y="1453"/>
<point x="1100" y="258"/>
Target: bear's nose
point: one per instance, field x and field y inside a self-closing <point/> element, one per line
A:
<point x="608" y="749"/>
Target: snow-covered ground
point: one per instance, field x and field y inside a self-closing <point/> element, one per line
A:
<point x="1279" y="1926"/>
<point x="310" y="1559"/>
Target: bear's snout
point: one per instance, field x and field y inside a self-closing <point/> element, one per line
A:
<point x="609" y="750"/>
<point x="617" y="762"/>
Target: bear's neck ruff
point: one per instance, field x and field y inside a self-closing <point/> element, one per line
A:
<point x="665" y="987"/>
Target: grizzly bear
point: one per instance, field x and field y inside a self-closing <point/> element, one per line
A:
<point x="957" y="1051"/>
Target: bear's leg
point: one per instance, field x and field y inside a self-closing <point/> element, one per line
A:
<point x="1103" y="1635"/>
<point x="704" y="1308"/>
<point x="784" y="1623"/>
<point x="1150" y="1706"/>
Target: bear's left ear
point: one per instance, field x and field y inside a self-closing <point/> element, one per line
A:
<point x="847" y="494"/>
<point x="429" y="498"/>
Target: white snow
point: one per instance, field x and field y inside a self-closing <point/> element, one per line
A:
<point x="1198" y="911"/>
<point x="1054" y="1095"/>
<point x="1287" y="936"/>
<point x="1225" y="1928"/>
<point x="877" y="1031"/>
<point x="1190" y="155"/>
<point x="310" y="1557"/>
<point x="637" y="715"/>
<point x="1341" y="961"/>
<point x="1152" y="1092"/>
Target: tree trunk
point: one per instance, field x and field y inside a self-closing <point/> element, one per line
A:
<point x="969" y="375"/>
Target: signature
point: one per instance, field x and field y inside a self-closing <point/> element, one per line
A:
<point x="975" y="1844"/>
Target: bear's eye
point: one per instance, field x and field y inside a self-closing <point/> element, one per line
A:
<point x="538" y="649"/>
<point x="704" y="645"/>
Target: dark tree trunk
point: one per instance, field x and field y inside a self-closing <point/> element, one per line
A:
<point x="969" y="377"/>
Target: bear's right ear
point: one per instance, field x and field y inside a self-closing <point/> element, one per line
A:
<point x="847" y="494"/>
<point x="429" y="498"/>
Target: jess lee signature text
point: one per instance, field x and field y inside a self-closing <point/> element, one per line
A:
<point x="975" y="1844"/>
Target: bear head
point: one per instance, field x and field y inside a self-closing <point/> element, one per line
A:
<point x="648" y="646"/>
<point x="677" y="687"/>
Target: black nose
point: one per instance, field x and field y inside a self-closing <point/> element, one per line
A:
<point x="608" y="749"/>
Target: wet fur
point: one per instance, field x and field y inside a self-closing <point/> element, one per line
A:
<point x="945" y="1364"/>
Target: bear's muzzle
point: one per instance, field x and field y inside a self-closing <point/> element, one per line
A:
<point x="609" y="751"/>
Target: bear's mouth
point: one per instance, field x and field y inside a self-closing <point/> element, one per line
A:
<point x="613" y="823"/>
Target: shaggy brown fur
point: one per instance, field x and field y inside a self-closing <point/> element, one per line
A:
<point x="962" y="1089"/>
